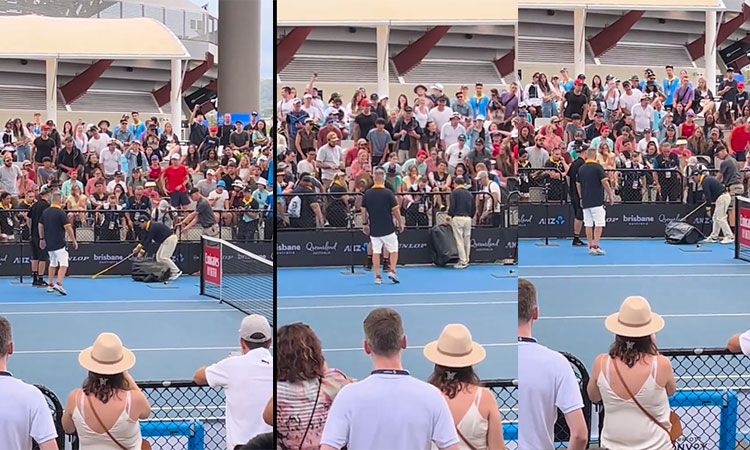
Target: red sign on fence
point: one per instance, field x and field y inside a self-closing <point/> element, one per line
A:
<point x="743" y="228"/>
<point x="212" y="264"/>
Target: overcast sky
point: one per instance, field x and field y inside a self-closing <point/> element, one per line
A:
<point x="266" y="66"/>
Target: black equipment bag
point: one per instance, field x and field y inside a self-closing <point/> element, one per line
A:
<point x="678" y="232"/>
<point x="443" y="245"/>
<point x="149" y="271"/>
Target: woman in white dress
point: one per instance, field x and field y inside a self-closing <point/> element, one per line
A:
<point x="633" y="373"/>
<point x="473" y="407"/>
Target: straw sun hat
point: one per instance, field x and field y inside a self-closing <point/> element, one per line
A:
<point x="634" y="319"/>
<point x="107" y="356"/>
<point x="454" y="348"/>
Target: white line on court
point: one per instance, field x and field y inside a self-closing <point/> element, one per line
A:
<point x="166" y="349"/>
<point x="121" y="311"/>
<point x="585" y="266"/>
<point x="93" y="302"/>
<point x="634" y="275"/>
<point x="680" y="316"/>
<point x="414" y="347"/>
<point x="391" y="294"/>
<point x="513" y="302"/>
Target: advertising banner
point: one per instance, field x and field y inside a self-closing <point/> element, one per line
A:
<point x="212" y="264"/>
<point x="341" y="248"/>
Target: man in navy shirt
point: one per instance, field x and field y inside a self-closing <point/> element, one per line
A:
<point x="715" y="194"/>
<point x="379" y="205"/>
<point x="591" y="183"/>
<point x="52" y="229"/>
<point x="160" y="241"/>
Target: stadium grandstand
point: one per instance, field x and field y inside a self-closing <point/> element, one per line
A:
<point x="98" y="89"/>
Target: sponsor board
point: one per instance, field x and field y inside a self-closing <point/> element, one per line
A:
<point x="743" y="227"/>
<point x="212" y="264"/>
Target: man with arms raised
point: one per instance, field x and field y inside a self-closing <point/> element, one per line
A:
<point x="389" y="409"/>
<point x="548" y="384"/>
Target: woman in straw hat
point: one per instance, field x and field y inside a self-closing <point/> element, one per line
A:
<point x="305" y="386"/>
<point x="634" y="365"/>
<point x="105" y="412"/>
<point x="473" y="407"/>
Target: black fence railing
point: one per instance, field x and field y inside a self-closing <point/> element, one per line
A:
<point x="419" y="210"/>
<point x="551" y="186"/>
<point x="183" y="416"/>
<point x="506" y="395"/>
<point x="120" y="225"/>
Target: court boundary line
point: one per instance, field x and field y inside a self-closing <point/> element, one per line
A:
<point x="122" y="311"/>
<point x="584" y="266"/>
<point x="392" y="294"/>
<point x="676" y="316"/>
<point x="417" y="347"/>
<point x="83" y="302"/>
<point x="294" y="308"/>
<point x="156" y="349"/>
<point x="676" y="275"/>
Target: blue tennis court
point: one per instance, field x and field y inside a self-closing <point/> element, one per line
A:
<point x="699" y="290"/>
<point x="482" y="297"/>
<point x="172" y="329"/>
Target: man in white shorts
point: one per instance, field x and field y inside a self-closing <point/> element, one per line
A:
<point x="591" y="184"/>
<point x="52" y="229"/>
<point x="379" y="209"/>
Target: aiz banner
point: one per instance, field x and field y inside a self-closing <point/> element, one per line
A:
<point x="623" y="220"/>
<point x="91" y="258"/>
<point x="342" y="248"/>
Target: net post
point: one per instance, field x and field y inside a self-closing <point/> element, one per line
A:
<point x="203" y="256"/>
<point x="736" y="227"/>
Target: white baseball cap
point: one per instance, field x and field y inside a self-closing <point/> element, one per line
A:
<point x="174" y="156"/>
<point x="255" y="324"/>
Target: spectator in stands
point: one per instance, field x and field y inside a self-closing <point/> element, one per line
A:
<point x="203" y="215"/>
<point x="477" y="419"/>
<point x="123" y="133"/>
<point x="388" y="409"/>
<point x="247" y="381"/>
<point x="173" y="181"/>
<point x="9" y="176"/>
<point x="329" y="157"/>
<point x="24" y="415"/>
<point x="633" y="364"/>
<point x="111" y="159"/>
<point x="106" y="410"/>
<point x="305" y="387"/>
<point x="198" y="130"/>
<point x="548" y="384"/>
<point x="44" y="147"/>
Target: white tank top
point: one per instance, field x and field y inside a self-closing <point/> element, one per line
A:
<point x="473" y="427"/>
<point x="125" y="430"/>
<point x="623" y="416"/>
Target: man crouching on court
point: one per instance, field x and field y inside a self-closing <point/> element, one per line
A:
<point x="160" y="238"/>
<point x="379" y="205"/>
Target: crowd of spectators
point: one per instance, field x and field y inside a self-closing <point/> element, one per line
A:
<point x="424" y="144"/>
<point x="321" y="407"/>
<point x="649" y="134"/>
<point x="109" y="176"/>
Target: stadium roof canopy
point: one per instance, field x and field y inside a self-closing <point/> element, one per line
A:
<point x="661" y="5"/>
<point x="396" y="12"/>
<point x="37" y="37"/>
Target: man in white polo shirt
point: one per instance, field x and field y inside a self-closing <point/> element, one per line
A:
<point x="389" y="409"/>
<point x="24" y="414"/>
<point x="547" y="384"/>
<point x="247" y="381"/>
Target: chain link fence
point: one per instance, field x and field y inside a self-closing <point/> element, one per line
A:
<point x="337" y="211"/>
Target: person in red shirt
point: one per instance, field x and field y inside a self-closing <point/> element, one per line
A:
<point x="737" y="143"/>
<point x="176" y="178"/>
<point x="351" y="153"/>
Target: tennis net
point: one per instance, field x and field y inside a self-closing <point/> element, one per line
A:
<point x="236" y="277"/>
<point x="742" y="236"/>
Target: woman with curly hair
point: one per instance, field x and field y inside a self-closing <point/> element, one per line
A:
<point x="305" y="388"/>
<point x="473" y="407"/>
<point x="633" y="373"/>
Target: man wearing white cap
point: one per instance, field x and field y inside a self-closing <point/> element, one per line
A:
<point x="548" y="384"/>
<point x="110" y="159"/>
<point x="24" y="415"/>
<point x="247" y="381"/>
<point x="208" y="184"/>
<point x="389" y="409"/>
<point x="451" y="131"/>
